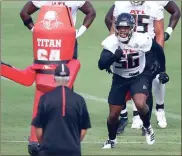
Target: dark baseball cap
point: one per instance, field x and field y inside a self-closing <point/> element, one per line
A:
<point x="62" y="70"/>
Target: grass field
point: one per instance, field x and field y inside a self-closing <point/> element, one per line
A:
<point x="17" y="101"/>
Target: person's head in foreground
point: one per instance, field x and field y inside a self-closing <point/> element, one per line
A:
<point x="62" y="75"/>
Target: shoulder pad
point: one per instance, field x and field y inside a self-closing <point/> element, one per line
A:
<point x="111" y="43"/>
<point x="141" y="42"/>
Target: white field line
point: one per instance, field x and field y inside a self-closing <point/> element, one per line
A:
<point x="104" y="100"/>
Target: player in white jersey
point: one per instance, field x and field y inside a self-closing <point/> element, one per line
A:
<point x="125" y="51"/>
<point x="149" y="18"/>
<point x="159" y="89"/>
<point x="84" y="6"/>
<point x="157" y="31"/>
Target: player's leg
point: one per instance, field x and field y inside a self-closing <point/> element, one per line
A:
<point x="150" y="104"/>
<point x="140" y="89"/>
<point x="115" y="99"/>
<point x="159" y="93"/>
<point x="137" y="122"/>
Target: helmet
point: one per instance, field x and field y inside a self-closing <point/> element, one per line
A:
<point x="124" y="27"/>
<point x="137" y="2"/>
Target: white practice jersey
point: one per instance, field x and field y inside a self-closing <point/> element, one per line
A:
<point x="162" y="3"/>
<point x="139" y="44"/>
<point x="73" y="5"/>
<point x="144" y="15"/>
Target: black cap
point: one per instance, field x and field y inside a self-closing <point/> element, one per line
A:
<point x="62" y="70"/>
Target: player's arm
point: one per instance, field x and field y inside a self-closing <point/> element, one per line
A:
<point x="109" y="18"/>
<point x="26" y="12"/>
<point x="159" y="31"/>
<point x="107" y="58"/>
<point x="159" y="53"/>
<point x="174" y="10"/>
<point x="90" y="13"/>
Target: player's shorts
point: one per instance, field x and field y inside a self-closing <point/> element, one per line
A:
<point x="75" y="55"/>
<point x="121" y="86"/>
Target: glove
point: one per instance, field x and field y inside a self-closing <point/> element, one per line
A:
<point x="163" y="78"/>
<point x="109" y="70"/>
<point x="118" y="53"/>
<point x="155" y="67"/>
<point x="166" y="36"/>
<point x="168" y="33"/>
<point x="80" y="31"/>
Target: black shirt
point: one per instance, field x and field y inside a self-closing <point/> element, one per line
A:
<point x="62" y="114"/>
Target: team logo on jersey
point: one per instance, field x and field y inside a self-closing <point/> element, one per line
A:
<point x="51" y="20"/>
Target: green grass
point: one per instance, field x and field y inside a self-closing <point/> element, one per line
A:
<point x="17" y="101"/>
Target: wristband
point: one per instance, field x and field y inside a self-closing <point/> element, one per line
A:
<point x="81" y="31"/>
<point x="169" y="30"/>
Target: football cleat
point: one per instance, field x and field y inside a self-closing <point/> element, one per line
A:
<point x="150" y="136"/>
<point x="161" y="118"/>
<point x="109" y="144"/>
<point x="123" y="123"/>
<point x="137" y="123"/>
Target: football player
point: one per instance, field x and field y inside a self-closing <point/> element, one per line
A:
<point x="156" y="32"/>
<point x="125" y="51"/>
<point x="84" y="6"/>
<point x="159" y="89"/>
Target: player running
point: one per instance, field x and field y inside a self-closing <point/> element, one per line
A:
<point x="125" y="51"/>
<point x="154" y="26"/>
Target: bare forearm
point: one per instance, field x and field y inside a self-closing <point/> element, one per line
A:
<point x="39" y="134"/>
<point x="83" y="132"/>
<point x="25" y="14"/>
<point x="90" y="13"/>
<point x="89" y="18"/>
<point x="174" y="20"/>
<point x="174" y="10"/>
<point x="109" y="18"/>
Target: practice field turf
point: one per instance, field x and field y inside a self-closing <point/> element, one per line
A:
<point x="17" y="100"/>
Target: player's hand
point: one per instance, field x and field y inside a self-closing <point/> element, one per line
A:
<point x="109" y="70"/>
<point x="166" y="36"/>
<point x="163" y="78"/>
<point x="118" y="53"/>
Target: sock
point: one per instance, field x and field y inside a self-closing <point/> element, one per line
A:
<point x="159" y="92"/>
<point x="159" y="106"/>
<point x="124" y="113"/>
<point x="112" y="129"/>
<point x="146" y="119"/>
<point x="150" y="103"/>
<point x="135" y="112"/>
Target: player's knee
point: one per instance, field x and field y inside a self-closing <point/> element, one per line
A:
<point x="113" y="116"/>
<point x="140" y="103"/>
